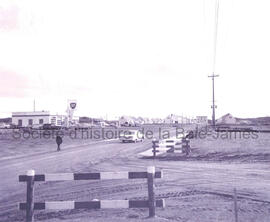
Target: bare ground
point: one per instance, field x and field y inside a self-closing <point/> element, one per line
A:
<point x="198" y="188"/>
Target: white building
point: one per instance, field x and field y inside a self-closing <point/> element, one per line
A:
<point x="58" y="120"/>
<point x="202" y="120"/>
<point x="227" y="119"/>
<point x="28" y="119"/>
<point x="126" y="120"/>
<point x="170" y="119"/>
<point x="177" y="119"/>
<point x="25" y="119"/>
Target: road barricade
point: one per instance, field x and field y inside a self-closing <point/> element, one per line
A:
<point x="173" y="145"/>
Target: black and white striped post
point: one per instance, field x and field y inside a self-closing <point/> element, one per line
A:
<point x="151" y="191"/>
<point x="30" y="196"/>
<point x="154" y="146"/>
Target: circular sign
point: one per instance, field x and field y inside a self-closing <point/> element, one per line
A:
<point x="72" y="105"/>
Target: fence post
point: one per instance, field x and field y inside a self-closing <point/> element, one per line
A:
<point x="154" y="146"/>
<point x="151" y="191"/>
<point x="235" y="205"/>
<point x="173" y="148"/>
<point x="30" y="196"/>
<point x="185" y="146"/>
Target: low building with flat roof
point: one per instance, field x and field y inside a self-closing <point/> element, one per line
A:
<point x="25" y="119"/>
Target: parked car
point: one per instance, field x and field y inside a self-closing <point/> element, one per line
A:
<point x="37" y="126"/>
<point x="5" y="126"/>
<point x="131" y="136"/>
<point x="48" y="126"/>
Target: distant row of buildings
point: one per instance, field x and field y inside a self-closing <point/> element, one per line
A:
<point x="37" y="118"/>
<point x="171" y="119"/>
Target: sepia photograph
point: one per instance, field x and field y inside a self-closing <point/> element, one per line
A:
<point x="140" y="111"/>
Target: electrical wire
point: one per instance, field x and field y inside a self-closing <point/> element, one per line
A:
<point x="215" y="35"/>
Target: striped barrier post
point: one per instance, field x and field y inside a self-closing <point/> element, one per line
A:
<point x="30" y="206"/>
<point x="154" y="146"/>
<point x="30" y="196"/>
<point x="151" y="191"/>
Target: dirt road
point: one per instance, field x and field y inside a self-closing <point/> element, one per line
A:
<point x="189" y="187"/>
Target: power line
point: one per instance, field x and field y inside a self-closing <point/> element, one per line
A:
<point x="215" y="35"/>
<point x="213" y="76"/>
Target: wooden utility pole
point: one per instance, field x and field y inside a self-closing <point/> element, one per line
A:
<point x="213" y="99"/>
<point x="214" y="63"/>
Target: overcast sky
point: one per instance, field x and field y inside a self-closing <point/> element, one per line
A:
<point x="140" y="58"/>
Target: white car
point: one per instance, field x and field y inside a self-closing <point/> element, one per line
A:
<point x="131" y="136"/>
<point x="36" y="126"/>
